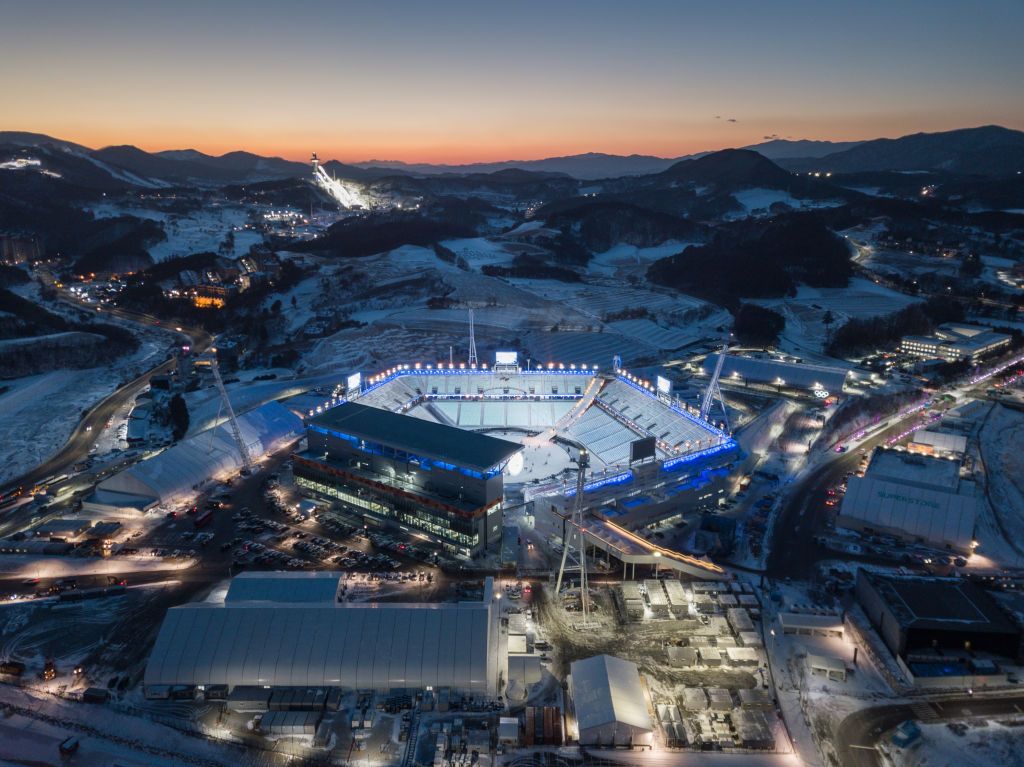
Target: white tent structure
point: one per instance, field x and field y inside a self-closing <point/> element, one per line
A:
<point x="181" y="470"/>
<point x="379" y="646"/>
<point x="609" y="700"/>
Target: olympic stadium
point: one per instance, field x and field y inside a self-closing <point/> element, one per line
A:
<point x="440" y="451"/>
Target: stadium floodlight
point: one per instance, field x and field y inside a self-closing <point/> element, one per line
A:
<point x="516" y="464"/>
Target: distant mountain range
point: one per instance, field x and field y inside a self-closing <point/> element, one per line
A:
<point x="597" y="165"/>
<point x="984" y="151"/>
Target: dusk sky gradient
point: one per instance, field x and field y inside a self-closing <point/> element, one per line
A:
<point x="450" y="81"/>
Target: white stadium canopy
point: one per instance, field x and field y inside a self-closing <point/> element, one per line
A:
<point x="181" y="469"/>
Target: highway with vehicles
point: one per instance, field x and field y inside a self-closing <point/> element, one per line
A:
<point x="94" y="420"/>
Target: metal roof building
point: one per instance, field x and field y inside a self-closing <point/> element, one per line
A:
<point x="930" y="442"/>
<point x="923" y="616"/>
<point x="792" y="375"/>
<point x="319" y="586"/>
<point x="467" y="449"/>
<point x="914" y="497"/>
<point x="609" y="700"/>
<point x="381" y="646"/>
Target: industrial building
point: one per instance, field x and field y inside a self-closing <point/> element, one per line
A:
<point x="940" y="443"/>
<point x="954" y="342"/>
<point x="397" y="470"/>
<point x="179" y="472"/>
<point x="609" y="701"/>
<point x="919" y="615"/>
<point x="913" y="497"/>
<point x="286" y="630"/>
<point x="778" y="373"/>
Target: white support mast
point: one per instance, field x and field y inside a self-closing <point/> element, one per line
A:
<point x="573" y="539"/>
<point x="714" y="390"/>
<point x="243" y="451"/>
<point x="472" y="341"/>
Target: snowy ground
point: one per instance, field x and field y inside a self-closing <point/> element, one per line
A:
<point x="629" y="257"/>
<point x="41" y="411"/>
<point x="47" y="566"/>
<point x="194" y="232"/>
<point x="805" y="333"/>
<point x="974" y="744"/>
<point x="1001" y="438"/>
<point x="40" y="721"/>
<point x="756" y="201"/>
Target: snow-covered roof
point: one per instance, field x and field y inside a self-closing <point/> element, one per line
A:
<point x="936" y="515"/>
<point x="792" y="375"/>
<point x="940" y="440"/>
<point x="811" y="621"/>
<point x="184" y="467"/>
<point x="606" y="689"/>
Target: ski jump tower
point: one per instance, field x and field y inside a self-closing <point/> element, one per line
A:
<point x="346" y="196"/>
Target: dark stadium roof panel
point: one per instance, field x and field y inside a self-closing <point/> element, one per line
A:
<point x="467" y="449"/>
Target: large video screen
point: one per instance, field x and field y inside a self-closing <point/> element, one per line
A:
<point x="506" y="358"/>
<point x="642" y="449"/>
<point x="353" y="382"/>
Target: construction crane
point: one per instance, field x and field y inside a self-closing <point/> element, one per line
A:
<point x="713" y="389"/>
<point x="574" y="540"/>
<point x="243" y="451"/>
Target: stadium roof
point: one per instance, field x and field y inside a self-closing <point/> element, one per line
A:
<point x="794" y="375"/>
<point x="606" y="689"/>
<point x="354" y="645"/>
<point x="433" y="440"/>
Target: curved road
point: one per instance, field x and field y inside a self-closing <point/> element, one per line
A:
<point x="89" y="427"/>
<point x="860" y="732"/>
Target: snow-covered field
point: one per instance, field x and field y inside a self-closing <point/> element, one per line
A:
<point x="553" y="321"/>
<point x="756" y="201"/>
<point x="194" y="232"/>
<point x="804" y="312"/>
<point x="982" y="744"/>
<point x="624" y="256"/>
<point x="41" y="411"/>
<point x="1001" y="438"/>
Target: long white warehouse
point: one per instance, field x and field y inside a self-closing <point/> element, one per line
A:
<point x="305" y="642"/>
